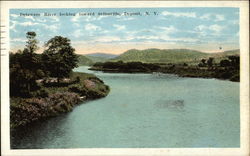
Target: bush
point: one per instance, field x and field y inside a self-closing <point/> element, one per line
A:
<point x="78" y="89"/>
<point x="39" y="93"/>
<point x="235" y="77"/>
<point x="225" y="63"/>
<point x="226" y="75"/>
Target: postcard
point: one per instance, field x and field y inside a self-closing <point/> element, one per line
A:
<point x="125" y="78"/>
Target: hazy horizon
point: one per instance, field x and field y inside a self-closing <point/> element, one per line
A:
<point x="39" y="51"/>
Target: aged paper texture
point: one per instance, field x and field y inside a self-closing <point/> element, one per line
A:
<point x="150" y="78"/>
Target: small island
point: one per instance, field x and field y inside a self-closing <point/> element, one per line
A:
<point x="44" y="85"/>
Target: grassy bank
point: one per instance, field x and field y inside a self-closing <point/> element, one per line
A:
<point x="223" y="73"/>
<point x="53" y="98"/>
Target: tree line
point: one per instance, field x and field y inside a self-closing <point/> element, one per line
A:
<point x="57" y="60"/>
<point x="232" y="61"/>
<point x="128" y="66"/>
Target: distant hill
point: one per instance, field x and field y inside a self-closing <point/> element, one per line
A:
<point x="100" y="57"/>
<point x="83" y="60"/>
<point x="170" y="55"/>
<point x="104" y="55"/>
<point x="97" y="59"/>
<point x="161" y="55"/>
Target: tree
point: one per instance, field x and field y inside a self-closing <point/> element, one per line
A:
<point x="225" y="63"/>
<point x="235" y="61"/>
<point x="210" y="61"/>
<point x="25" y="68"/>
<point x="59" y="57"/>
<point x="202" y="63"/>
<point x="32" y="42"/>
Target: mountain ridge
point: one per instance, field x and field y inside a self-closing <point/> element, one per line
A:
<point x="106" y="55"/>
<point x="154" y="55"/>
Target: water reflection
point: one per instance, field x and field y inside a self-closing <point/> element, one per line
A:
<point x="37" y="134"/>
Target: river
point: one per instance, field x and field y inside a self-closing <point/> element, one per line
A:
<point x="144" y="110"/>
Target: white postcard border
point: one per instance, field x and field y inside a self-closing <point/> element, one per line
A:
<point x="244" y="79"/>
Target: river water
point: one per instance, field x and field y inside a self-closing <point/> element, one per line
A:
<point x="144" y="110"/>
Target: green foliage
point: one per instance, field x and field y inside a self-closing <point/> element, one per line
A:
<point x="171" y="56"/>
<point x="41" y="93"/>
<point x="232" y="61"/>
<point x="225" y="63"/>
<point x="83" y="60"/>
<point x="210" y="61"/>
<point x="25" y="68"/>
<point x="32" y="42"/>
<point x="34" y="94"/>
<point x="161" y="56"/>
<point x="128" y="66"/>
<point x="59" y="57"/>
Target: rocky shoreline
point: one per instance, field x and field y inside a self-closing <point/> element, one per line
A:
<point x="59" y="100"/>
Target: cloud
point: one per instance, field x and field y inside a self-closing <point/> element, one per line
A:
<point x="219" y="18"/>
<point x="201" y="28"/>
<point x="215" y="28"/>
<point x="18" y="40"/>
<point x="13" y="26"/>
<point x="29" y="17"/>
<point x="75" y="18"/>
<point x="77" y="33"/>
<point x="28" y="23"/>
<point x="76" y="24"/>
<point x="182" y="39"/>
<point x="167" y="30"/>
<point x="122" y="18"/>
<point x="78" y="18"/>
<point x="235" y="22"/>
<point x="119" y="27"/>
<point x="14" y="15"/>
<point x="52" y="28"/>
<point x="154" y="35"/>
<point x="107" y="39"/>
<point x="205" y="17"/>
<point x="148" y="37"/>
<point x="179" y="14"/>
<point x="91" y="18"/>
<point x="214" y="17"/>
<point x="54" y="18"/>
<point x="92" y="27"/>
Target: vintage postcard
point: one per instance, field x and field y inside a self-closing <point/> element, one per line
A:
<point x="125" y="78"/>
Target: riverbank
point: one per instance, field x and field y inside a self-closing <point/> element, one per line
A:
<point x="55" y="98"/>
<point x="183" y="70"/>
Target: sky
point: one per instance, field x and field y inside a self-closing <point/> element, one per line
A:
<point x="120" y="29"/>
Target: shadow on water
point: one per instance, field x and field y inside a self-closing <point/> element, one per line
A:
<point x="174" y="105"/>
<point x="38" y="134"/>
